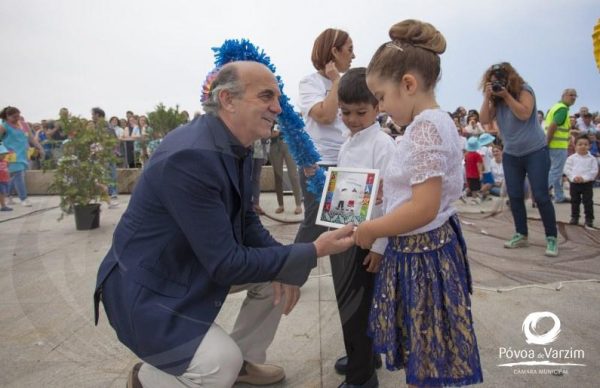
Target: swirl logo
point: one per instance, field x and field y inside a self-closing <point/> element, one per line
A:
<point x="530" y="325"/>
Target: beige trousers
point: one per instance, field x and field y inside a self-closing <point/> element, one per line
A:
<point x="220" y="356"/>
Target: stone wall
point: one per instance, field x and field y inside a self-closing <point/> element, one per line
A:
<point x="38" y="181"/>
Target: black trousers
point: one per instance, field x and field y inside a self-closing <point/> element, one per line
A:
<point x="354" y="292"/>
<point x="582" y="192"/>
<point x="308" y="231"/>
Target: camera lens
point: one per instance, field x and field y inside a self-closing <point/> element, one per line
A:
<point x="496" y="87"/>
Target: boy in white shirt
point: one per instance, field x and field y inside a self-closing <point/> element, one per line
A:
<point x="581" y="169"/>
<point x="353" y="271"/>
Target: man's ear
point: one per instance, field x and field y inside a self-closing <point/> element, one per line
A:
<point x="226" y="100"/>
<point x="409" y="83"/>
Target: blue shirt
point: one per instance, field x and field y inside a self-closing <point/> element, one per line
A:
<point x="520" y="137"/>
<point x="16" y="140"/>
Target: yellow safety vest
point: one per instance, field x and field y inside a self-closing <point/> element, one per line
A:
<point x="560" y="139"/>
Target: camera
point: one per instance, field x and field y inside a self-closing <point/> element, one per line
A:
<point x="497" y="86"/>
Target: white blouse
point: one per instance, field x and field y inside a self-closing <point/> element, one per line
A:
<point x="429" y="148"/>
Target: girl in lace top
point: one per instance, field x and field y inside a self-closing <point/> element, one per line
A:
<point x="421" y="312"/>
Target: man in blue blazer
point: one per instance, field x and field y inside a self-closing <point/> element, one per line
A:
<point x="190" y="236"/>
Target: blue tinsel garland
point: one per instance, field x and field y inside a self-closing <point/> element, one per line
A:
<point x="291" y="124"/>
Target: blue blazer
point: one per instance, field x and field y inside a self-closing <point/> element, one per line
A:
<point x="188" y="234"/>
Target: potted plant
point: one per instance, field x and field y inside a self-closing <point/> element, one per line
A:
<point x="81" y="175"/>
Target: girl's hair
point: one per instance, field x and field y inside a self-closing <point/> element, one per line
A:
<point x="498" y="146"/>
<point x="8" y="111"/>
<point x="324" y="44"/>
<point x="114" y="118"/>
<point x="514" y="82"/>
<point x="414" y="46"/>
<point x="145" y="119"/>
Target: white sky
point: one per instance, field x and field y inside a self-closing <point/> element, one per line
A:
<point x="130" y="54"/>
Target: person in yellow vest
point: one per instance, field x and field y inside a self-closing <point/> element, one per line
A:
<point x="557" y="135"/>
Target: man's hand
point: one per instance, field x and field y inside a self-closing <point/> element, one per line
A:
<point x="373" y="262"/>
<point x="578" y="179"/>
<point x="290" y="294"/>
<point x="335" y="241"/>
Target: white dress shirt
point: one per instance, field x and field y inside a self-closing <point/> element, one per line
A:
<point x="369" y="148"/>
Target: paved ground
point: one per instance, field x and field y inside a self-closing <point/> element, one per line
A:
<point x="47" y="274"/>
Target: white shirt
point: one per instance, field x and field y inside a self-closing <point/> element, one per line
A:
<point x="497" y="172"/>
<point x="583" y="166"/>
<point x="486" y="154"/>
<point x="369" y="148"/>
<point x="430" y="148"/>
<point x="586" y="129"/>
<point x="327" y="138"/>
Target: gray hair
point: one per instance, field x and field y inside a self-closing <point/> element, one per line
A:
<point x="227" y="79"/>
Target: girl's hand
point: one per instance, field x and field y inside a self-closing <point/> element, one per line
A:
<point x="331" y="71"/>
<point x="363" y="237"/>
<point x="373" y="262"/>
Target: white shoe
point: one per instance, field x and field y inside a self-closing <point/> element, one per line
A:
<point x="26" y="203"/>
<point x="113" y="204"/>
<point x="10" y="201"/>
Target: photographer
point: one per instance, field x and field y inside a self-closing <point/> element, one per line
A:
<point x="509" y="100"/>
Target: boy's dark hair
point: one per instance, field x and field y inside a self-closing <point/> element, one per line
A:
<point x="99" y="112"/>
<point x="584" y="137"/>
<point x="353" y="88"/>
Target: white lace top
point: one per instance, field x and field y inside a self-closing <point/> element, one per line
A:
<point x="429" y="148"/>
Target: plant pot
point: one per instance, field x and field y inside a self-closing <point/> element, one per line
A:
<point x="87" y="216"/>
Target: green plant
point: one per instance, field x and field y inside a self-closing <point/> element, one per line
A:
<point x="163" y="119"/>
<point x="81" y="174"/>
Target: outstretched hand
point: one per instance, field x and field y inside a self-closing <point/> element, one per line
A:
<point x="335" y="241"/>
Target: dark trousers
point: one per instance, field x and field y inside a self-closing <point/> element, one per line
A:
<point x="582" y="192"/>
<point x="534" y="166"/>
<point x="354" y="291"/>
<point x="308" y="231"/>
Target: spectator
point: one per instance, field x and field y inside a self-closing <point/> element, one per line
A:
<point x="17" y="139"/>
<point x="473" y="127"/>
<point x="586" y="127"/>
<point x="473" y="168"/>
<point x="131" y="134"/>
<point x="497" y="171"/>
<point x="332" y="54"/>
<point x="461" y="114"/>
<point x="4" y="178"/>
<point x="487" y="179"/>
<point x="278" y="153"/>
<point x="540" y="117"/>
<point x="581" y="169"/>
<point x="558" y="126"/>
<point x="99" y="116"/>
<point x="582" y="112"/>
<point x="259" y="159"/>
<point x="512" y="103"/>
<point x="115" y="124"/>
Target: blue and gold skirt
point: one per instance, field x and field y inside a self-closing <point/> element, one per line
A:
<point x="421" y="313"/>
